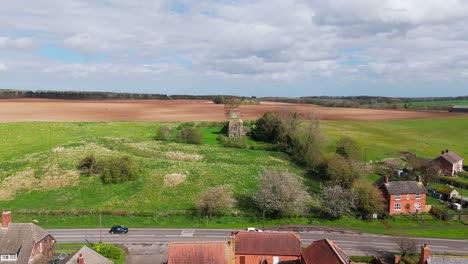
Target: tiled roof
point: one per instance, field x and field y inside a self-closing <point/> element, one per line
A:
<point x="324" y="252"/>
<point x="199" y="252"/>
<point x="20" y="235"/>
<point x="404" y="187"/>
<point x="451" y="157"/>
<point x="268" y="243"/>
<point x="89" y="255"/>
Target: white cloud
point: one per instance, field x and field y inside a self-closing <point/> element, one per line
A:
<point x="3" y="67"/>
<point x="15" y="43"/>
<point x="260" y="40"/>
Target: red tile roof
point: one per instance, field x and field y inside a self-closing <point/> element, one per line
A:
<point x="267" y="243"/>
<point x="324" y="252"/>
<point x="203" y="252"/>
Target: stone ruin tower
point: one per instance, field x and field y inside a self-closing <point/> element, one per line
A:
<point x="236" y="128"/>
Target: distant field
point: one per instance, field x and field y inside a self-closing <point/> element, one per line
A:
<point x="384" y="139"/>
<point x="423" y="103"/>
<point x="455" y="102"/>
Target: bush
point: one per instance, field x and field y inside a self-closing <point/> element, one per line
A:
<point x="219" y="99"/>
<point x="88" y="165"/>
<point x="453" y="181"/>
<point x="365" y="259"/>
<point x="267" y="128"/>
<point x="163" y="132"/>
<point x="233" y="143"/>
<point x="110" y="251"/>
<point x="118" y="170"/>
<point x="221" y="138"/>
<point x="441" y="213"/>
<point x="191" y="135"/>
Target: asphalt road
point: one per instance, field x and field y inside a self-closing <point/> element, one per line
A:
<point x="354" y="242"/>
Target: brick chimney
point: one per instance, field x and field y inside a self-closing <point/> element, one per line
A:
<point x="419" y="179"/>
<point x="425" y="254"/>
<point x="6" y="219"/>
<point x="81" y="259"/>
<point x="386" y="179"/>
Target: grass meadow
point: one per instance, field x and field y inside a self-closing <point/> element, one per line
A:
<point x="38" y="172"/>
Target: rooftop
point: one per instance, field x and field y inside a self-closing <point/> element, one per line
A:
<point x="404" y="187"/>
<point x="268" y="243"/>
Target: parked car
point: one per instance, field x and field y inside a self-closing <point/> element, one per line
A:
<point x="253" y="229"/>
<point x="118" y="229"/>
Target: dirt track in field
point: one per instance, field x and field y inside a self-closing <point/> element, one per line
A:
<point x="22" y="110"/>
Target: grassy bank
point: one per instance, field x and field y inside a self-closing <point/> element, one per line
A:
<point x="427" y="226"/>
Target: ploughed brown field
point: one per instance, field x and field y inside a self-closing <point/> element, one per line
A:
<point x="21" y="110"/>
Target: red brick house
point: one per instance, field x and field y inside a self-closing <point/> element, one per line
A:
<point x="450" y="163"/>
<point x="23" y="243"/>
<point x="324" y="252"/>
<point x="266" y="247"/>
<point x="200" y="252"/>
<point x="404" y="197"/>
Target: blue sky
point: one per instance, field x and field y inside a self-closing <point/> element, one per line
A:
<point x="252" y="48"/>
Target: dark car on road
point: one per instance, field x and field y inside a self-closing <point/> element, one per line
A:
<point x="118" y="229"/>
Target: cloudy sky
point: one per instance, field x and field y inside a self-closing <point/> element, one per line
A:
<point x="252" y="48"/>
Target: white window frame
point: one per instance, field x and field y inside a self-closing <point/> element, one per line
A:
<point x="417" y="206"/>
<point x="418" y="196"/>
<point x="407" y="196"/>
<point x="8" y="257"/>
<point x="397" y="196"/>
<point x="397" y="207"/>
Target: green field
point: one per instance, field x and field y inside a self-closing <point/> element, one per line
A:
<point x="38" y="171"/>
<point x="421" y="103"/>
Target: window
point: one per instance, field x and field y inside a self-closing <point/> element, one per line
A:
<point x="407" y="196"/>
<point x="397" y="196"/>
<point x="8" y="257"/>
<point x="417" y="206"/>
<point x="397" y="207"/>
<point x="275" y="260"/>
<point x="418" y="196"/>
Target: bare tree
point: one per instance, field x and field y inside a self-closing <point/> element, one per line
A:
<point x="280" y="192"/>
<point x="215" y="199"/>
<point x="430" y="172"/>
<point x="337" y="201"/>
<point x="406" y="245"/>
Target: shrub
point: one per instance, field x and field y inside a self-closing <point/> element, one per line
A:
<point x="88" y="165"/>
<point x="117" y="170"/>
<point x="365" y="259"/>
<point x="233" y="143"/>
<point x="163" y="132"/>
<point x="221" y="138"/>
<point x="218" y="99"/>
<point x="110" y="251"/>
<point x="191" y="135"/>
<point x="440" y="213"/>
<point x="267" y="128"/>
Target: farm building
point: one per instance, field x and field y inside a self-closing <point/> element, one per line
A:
<point x="459" y="108"/>
<point x="450" y="163"/>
